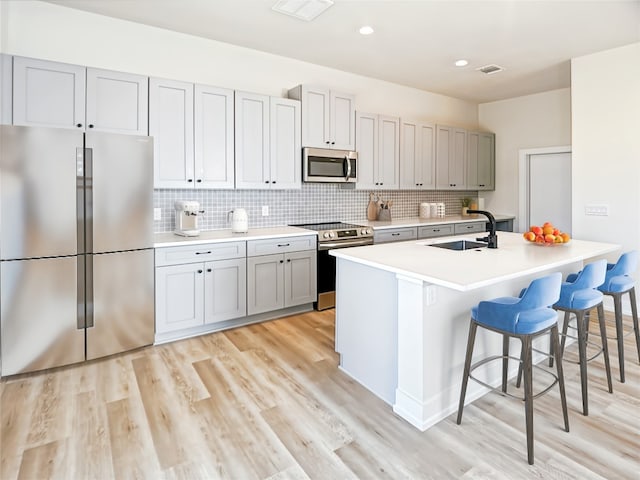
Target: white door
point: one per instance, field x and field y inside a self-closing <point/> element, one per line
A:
<point x="549" y="189"/>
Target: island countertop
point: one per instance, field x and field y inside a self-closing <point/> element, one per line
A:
<point x="423" y="222"/>
<point x="472" y="269"/>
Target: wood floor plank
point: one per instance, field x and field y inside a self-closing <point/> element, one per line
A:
<point x="52" y="415"/>
<point x="46" y="461"/>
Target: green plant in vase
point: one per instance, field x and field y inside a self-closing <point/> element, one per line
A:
<point x="466" y="202"/>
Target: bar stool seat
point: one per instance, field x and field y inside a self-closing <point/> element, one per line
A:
<point x="578" y="295"/>
<point x="525" y="318"/>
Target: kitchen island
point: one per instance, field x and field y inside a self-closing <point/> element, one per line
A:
<point x="402" y="314"/>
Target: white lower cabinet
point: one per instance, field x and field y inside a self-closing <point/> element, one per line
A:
<point x="201" y="292"/>
<point x="281" y="280"/>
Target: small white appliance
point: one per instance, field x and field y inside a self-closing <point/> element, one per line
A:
<point x="187" y="213"/>
<point x="239" y="220"/>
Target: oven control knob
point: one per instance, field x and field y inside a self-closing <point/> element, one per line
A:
<point x="331" y="235"/>
<point x="326" y="235"/>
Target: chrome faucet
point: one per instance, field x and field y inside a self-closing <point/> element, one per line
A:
<point x="492" y="238"/>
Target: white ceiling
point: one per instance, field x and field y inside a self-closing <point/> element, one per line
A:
<point x="415" y="41"/>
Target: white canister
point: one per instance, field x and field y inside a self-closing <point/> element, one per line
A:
<point x="239" y="220"/>
<point x="425" y="210"/>
<point x="433" y="207"/>
<point x="441" y="210"/>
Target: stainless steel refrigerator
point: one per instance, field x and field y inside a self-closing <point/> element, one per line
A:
<point x="76" y="247"/>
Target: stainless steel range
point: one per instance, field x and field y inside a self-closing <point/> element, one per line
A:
<point x="334" y="235"/>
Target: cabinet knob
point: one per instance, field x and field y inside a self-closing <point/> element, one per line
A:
<point x="281" y="261"/>
<point x="327" y="142"/>
<point x="266" y="181"/>
<point x="91" y="125"/>
<point x="273" y="181"/>
<point x="333" y="143"/>
<point x="200" y="271"/>
<point x="79" y="125"/>
<point x="209" y="270"/>
<point x="288" y="260"/>
<point x="190" y="180"/>
<point x="199" y="180"/>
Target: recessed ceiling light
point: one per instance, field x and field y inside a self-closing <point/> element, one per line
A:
<point x="461" y="63"/>
<point x="302" y="9"/>
<point x="366" y="30"/>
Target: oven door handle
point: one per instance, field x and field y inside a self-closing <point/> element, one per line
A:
<point x="346" y="243"/>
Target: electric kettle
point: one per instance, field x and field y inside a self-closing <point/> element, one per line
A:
<point x="239" y="220"/>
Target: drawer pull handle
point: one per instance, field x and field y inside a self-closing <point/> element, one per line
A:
<point x="204" y="253"/>
<point x="284" y="245"/>
<point x="436" y="229"/>
<point x="395" y="234"/>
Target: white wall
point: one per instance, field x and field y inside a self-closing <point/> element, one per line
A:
<point x="47" y="31"/>
<point x="532" y="121"/>
<point x="605" y="95"/>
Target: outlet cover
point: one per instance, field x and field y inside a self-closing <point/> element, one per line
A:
<point x="157" y="214"/>
<point x="265" y="210"/>
<point x="598" y="210"/>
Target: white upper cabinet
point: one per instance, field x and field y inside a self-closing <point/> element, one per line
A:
<point x="48" y="94"/>
<point x="377" y="143"/>
<point x="117" y="102"/>
<point x="328" y="117"/>
<point x="6" y="89"/>
<point x="56" y="94"/>
<point x="417" y="156"/>
<point x="171" y="126"/>
<point x="267" y="138"/>
<point x="451" y="158"/>
<point x="214" y="144"/>
<point x="481" y="161"/>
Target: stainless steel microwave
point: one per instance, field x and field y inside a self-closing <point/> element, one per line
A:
<point x="329" y="166"/>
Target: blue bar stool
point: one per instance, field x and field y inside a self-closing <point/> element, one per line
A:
<point x="524" y="317"/>
<point x="617" y="282"/>
<point x="578" y="295"/>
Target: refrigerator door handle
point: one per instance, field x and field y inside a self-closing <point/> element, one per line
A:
<point x="80" y="301"/>
<point x="89" y="291"/>
<point x="88" y="199"/>
<point x="80" y="200"/>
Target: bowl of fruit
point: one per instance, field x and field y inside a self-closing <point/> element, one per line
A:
<point x="546" y="235"/>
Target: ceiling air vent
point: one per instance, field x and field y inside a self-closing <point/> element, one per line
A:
<point x="490" y="69"/>
<point x="302" y="9"/>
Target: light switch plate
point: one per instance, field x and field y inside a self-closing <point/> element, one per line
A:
<point x="598" y="210"/>
<point x="157" y="214"/>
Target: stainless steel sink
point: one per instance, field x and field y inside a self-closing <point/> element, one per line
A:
<point x="459" y="245"/>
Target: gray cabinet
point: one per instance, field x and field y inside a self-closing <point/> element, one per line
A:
<point x="267" y="142"/>
<point x="377" y="143"/>
<point x="192" y="127"/>
<point x="469" y="227"/>
<point x="451" y="157"/>
<point x="283" y="279"/>
<point x="432" y="231"/>
<point x="54" y="94"/>
<point x="328" y="117"/>
<point x="417" y="155"/>
<point x="480" y="161"/>
<point x="6" y="89"/>
<point x="395" y="235"/>
<point x="199" y="284"/>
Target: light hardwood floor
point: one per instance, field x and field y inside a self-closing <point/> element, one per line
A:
<point x="268" y="401"/>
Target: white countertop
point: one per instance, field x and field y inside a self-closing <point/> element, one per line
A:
<point x="471" y="269"/>
<point x="170" y="239"/>
<point x="419" y="222"/>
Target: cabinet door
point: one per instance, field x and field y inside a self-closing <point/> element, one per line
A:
<point x="265" y="283"/>
<point x="315" y="117"/>
<point x="252" y="141"/>
<point x="225" y="290"/>
<point x="179" y="297"/>
<point x="6" y="89"/>
<point x="286" y="149"/>
<point x="395" y="235"/>
<point x="48" y="94"/>
<point x="342" y="124"/>
<point x="213" y="134"/>
<point x="426" y="165"/>
<point x="171" y="126"/>
<point x="117" y="102"/>
<point x="451" y="153"/>
<point x="300" y="278"/>
<point x="367" y="148"/>
<point x="410" y="170"/>
<point x="388" y="164"/>
<point x="486" y="161"/>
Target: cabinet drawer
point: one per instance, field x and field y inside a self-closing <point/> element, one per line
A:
<point x="280" y="245"/>
<point x="435" y="231"/>
<point x="469" y="227"/>
<point x="200" y="253"/>
<point x="395" y="235"/>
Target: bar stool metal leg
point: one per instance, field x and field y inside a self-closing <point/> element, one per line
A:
<point x="560" y="373"/>
<point x="467" y="366"/>
<point x="505" y="361"/>
<point x="617" y="307"/>
<point x="634" y="315"/>
<point x="582" y="351"/>
<point x="605" y="347"/>
<point x="528" y="395"/>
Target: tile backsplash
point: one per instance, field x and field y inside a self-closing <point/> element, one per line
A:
<point x="315" y="202"/>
